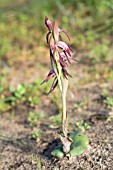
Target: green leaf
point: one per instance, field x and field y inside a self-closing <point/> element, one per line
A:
<point x="58" y="153"/>
<point x="77" y="151"/>
<point x="79" y="143"/>
<point x="21" y="89"/>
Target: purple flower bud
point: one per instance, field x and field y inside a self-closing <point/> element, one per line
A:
<point x="48" y="24"/>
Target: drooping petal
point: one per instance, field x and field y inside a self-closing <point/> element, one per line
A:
<point x="60" y="37"/>
<point x="52" y="57"/>
<point x="48" y="24"/>
<point x="63" y="55"/>
<point x="73" y="59"/>
<point x="65" y="72"/>
<point x="65" y="33"/>
<point x="62" y="61"/>
<point x="50" y="75"/>
<point x="70" y="57"/>
<point x="67" y="56"/>
<point x="54" y="84"/>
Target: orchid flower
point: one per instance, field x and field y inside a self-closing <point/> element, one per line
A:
<point x="60" y="56"/>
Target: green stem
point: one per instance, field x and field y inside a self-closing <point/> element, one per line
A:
<point x="64" y="112"/>
<point x="64" y="116"/>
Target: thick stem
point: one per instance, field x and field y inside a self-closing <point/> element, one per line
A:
<point x="64" y="116"/>
<point x="66" y="142"/>
<point x="64" y="112"/>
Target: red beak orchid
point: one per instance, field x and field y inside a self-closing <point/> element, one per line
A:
<point x="56" y="55"/>
<point x="60" y="56"/>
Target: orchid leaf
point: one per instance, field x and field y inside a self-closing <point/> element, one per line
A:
<point x="79" y="143"/>
<point x="77" y="151"/>
<point x="58" y="153"/>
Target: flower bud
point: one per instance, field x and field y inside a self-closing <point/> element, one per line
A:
<point x="48" y="24"/>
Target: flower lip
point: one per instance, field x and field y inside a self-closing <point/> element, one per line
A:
<point x="63" y="46"/>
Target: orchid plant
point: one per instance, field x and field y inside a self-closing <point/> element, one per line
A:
<point x="60" y="57"/>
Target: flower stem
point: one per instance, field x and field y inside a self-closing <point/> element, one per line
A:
<point x="64" y="112"/>
<point x="64" y="116"/>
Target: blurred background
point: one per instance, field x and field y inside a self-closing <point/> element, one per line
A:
<point x="24" y="54"/>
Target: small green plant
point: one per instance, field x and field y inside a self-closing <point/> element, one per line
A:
<point x="26" y="93"/>
<point x="83" y="103"/>
<point x="33" y="118"/>
<point x="39" y="163"/>
<point x="109" y="102"/>
<point x="12" y="97"/>
<point x="60" y="56"/>
<point x="82" y="125"/>
<point x="36" y="134"/>
<point x="56" y="121"/>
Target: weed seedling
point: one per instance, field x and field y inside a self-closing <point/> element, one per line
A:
<point x="60" y="57"/>
<point x="82" y="125"/>
<point x="33" y="118"/>
<point x="39" y="163"/>
<point x="36" y="134"/>
<point x="56" y="121"/>
<point x="109" y="102"/>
